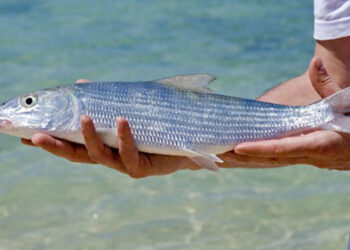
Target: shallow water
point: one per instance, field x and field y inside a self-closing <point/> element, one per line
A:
<point x="49" y="203"/>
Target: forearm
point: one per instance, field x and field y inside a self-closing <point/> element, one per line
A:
<point x="335" y="55"/>
<point x="296" y="91"/>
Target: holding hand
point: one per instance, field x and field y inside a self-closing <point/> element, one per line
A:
<point x="324" y="149"/>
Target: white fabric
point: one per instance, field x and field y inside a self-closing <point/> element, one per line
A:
<point x="332" y="19"/>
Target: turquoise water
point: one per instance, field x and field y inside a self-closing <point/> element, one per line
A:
<point x="49" y="203"/>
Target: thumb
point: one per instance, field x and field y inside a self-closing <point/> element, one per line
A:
<point x="320" y="80"/>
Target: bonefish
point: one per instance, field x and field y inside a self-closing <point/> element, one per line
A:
<point x="178" y="115"/>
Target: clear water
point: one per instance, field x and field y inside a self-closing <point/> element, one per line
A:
<point x="49" y="203"/>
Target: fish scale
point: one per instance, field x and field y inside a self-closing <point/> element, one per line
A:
<point x="175" y="114"/>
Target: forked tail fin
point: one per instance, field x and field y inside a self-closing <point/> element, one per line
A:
<point x="340" y="104"/>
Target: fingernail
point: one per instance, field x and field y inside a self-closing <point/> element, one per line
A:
<point x="244" y="148"/>
<point x="35" y="139"/>
<point x="82" y="81"/>
<point x="86" y="120"/>
<point x="239" y="149"/>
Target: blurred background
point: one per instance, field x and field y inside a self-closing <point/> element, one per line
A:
<point x="50" y="203"/>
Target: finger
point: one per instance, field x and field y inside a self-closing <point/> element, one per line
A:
<point x="127" y="149"/>
<point x="83" y="81"/>
<point x="27" y="142"/>
<point x="61" y="148"/>
<point x="96" y="149"/>
<point x="321" y="81"/>
<point x="234" y="160"/>
<point x="312" y="144"/>
<point x="93" y="142"/>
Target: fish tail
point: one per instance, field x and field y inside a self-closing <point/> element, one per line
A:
<point x="340" y="104"/>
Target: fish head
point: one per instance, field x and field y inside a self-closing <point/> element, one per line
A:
<point x="40" y="111"/>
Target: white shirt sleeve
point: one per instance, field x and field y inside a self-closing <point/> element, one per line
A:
<point x="332" y="19"/>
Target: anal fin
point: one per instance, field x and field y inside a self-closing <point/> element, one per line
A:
<point x="205" y="163"/>
<point x="205" y="160"/>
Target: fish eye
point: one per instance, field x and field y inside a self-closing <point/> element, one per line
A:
<point x="29" y="101"/>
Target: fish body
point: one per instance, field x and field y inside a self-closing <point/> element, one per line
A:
<point x="172" y="116"/>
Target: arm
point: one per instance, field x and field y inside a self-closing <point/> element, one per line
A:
<point x="316" y="83"/>
<point x="297" y="91"/>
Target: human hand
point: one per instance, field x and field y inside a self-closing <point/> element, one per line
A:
<point x="324" y="149"/>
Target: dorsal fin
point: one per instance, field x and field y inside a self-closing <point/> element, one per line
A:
<point x="196" y="82"/>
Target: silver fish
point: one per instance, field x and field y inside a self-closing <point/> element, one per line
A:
<point x="174" y="116"/>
